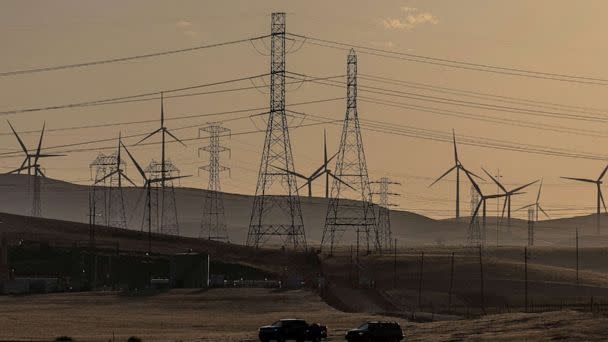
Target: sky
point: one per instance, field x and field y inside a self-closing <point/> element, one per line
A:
<point x="552" y="36"/>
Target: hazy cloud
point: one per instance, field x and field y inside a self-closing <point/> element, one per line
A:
<point x="186" y="27"/>
<point x="413" y="17"/>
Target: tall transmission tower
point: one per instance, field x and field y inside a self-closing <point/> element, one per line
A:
<point x="162" y="197"/>
<point x="213" y="223"/>
<point x="385" y="234"/>
<point x="350" y="208"/>
<point x="276" y="209"/>
<point x="31" y="165"/>
<point x="168" y="210"/>
<point x="107" y="187"/>
<point x="531" y="221"/>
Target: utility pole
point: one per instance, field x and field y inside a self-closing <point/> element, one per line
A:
<point x="526" y="276"/>
<point x="577" y="256"/>
<point x="395" y="265"/>
<point x="530" y="227"/>
<point x="451" y="283"/>
<point x="481" y="287"/>
<point x="276" y="208"/>
<point x="420" y="275"/>
<point x="384" y="213"/>
<point x="213" y="223"/>
<point x="350" y="205"/>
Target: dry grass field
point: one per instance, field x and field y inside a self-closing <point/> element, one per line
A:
<point x="235" y="314"/>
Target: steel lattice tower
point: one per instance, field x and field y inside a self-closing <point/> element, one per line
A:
<point x="385" y="234"/>
<point x="107" y="188"/>
<point x="350" y="207"/>
<point x="474" y="235"/>
<point x="213" y="223"/>
<point x="162" y="197"/>
<point x="531" y="222"/>
<point x="276" y="209"/>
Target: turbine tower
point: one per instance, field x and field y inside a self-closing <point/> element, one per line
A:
<point x="276" y="212"/>
<point x="168" y="211"/>
<point x="536" y="205"/>
<point x="600" y="198"/>
<point x="458" y="167"/>
<point x="213" y="223"/>
<point x="351" y="210"/>
<point x="33" y="167"/>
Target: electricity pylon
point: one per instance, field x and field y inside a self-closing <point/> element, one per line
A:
<point x="276" y="211"/>
<point x="213" y="223"/>
<point x="109" y="172"/>
<point x="33" y="167"/>
<point x="385" y="233"/>
<point x="350" y="208"/>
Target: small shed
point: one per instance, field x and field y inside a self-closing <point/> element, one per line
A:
<point x="189" y="270"/>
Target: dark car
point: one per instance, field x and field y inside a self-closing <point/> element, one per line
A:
<point x="292" y="329"/>
<point x="376" y="332"/>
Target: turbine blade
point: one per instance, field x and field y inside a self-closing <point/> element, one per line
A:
<point x="291" y="172"/>
<point x="603" y="173"/>
<point x="539" y="188"/>
<point x="481" y="178"/>
<point x="495" y="180"/>
<point x="602" y="198"/>
<point x="580" y="179"/>
<point x="176" y="138"/>
<point x="443" y="175"/>
<point x="476" y="211"/>
<point x="106" y="177"/>
<point x="122" y="174"/>
<point x="504" y="206"/>
<point x="339" y="180"/>
<point x="542" y="211"/>
<point x="18" y="138"/>
<point x="468" y="174"/>
<point x="141" y="171"/>
<point x="523" y="186"/>
<point x="455" y="149"/>
<point x="148" y="136"/>
<point x="525" y="206"/>
<point x="39" y="144"/>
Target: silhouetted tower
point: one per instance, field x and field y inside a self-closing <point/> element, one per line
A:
<point x="166" y="202"/>
<point x="385" y="234"/>
<point x="276" y="209"/>
<point x="350" y="208"/>
<point x="213" y="224"/>
<point x="162" y="198"/>
<point x="31" y="165"/>
<point x="531" y="221"/>
<point x="474" y="230"/>
<point x="107" y="187"/>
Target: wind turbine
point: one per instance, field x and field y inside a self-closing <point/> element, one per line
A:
<point x="458" y="167"/>
<point x="600" y="198"/>
<point x="163" y="171"/>
<point x="322" y="170"/>
<point x="507" y="203"/>
<point x="148" y="189"/>
<point x="536" y="204"/>
<point x="120" y="173"/>
<point x="34" y="166"/>
<point x="481" y="204"/>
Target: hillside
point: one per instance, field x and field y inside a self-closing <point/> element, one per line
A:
<point x="69" y="202"/>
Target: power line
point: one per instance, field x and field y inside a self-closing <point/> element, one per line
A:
<point x="124" y="59"/>
<point x="453" y="63"/>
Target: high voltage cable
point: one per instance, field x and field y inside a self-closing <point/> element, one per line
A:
<point x="128" y="58"/>
<point x="481" y="95"/>
<point x="144" y="97"/>
<point x="106" y="100"/>
<point x="452" y="63"/>
<point x="88" y="142"/>
<point x="462" y="103"/>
